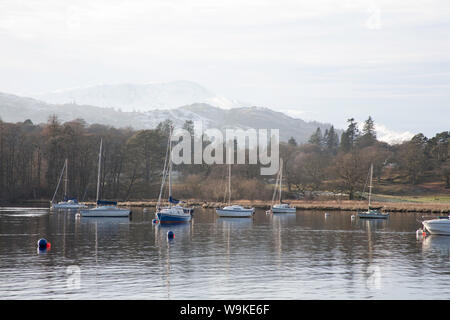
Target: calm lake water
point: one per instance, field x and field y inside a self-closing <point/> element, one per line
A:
<point x="286" y="256"/>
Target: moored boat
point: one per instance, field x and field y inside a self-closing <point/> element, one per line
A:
<point x="372" y="213"/>
<point x="67" y="203"/>
<point x="173" y="212"/>
<point x="104" y="208"/>
<point x="233" y="211"/>
<point x="280" y="207"/>
<point x="437" y="226"/>
<point x="283" y="208"/>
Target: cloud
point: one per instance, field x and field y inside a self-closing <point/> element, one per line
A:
<point x="330" y="59"/>
<point x="373" y="22"/>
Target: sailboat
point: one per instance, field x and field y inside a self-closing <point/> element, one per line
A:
<point x="67" y="203"/>
<point x="104" y="208"/>
<point x="172" y="213"/>
<point x="234" y="211"/>
<point x="280" y="207"/>
<point x="372" y="213"/>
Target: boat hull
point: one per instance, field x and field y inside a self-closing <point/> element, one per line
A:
<point x="67" y="206"/>
<point x="284" y="210"/>
<point x="437" y="226"/>
<point x="173" y="218"/>
<point x="105" y="212"/>
<point x="364" y="215"/>
<point x="243" y="213"/>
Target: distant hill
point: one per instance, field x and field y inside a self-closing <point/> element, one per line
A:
<point x="17" y="109"/>
<point x="257" y="118"/>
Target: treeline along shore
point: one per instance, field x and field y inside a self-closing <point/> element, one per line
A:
<point x="33" y="155"/>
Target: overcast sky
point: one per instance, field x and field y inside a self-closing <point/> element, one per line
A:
<point x="316" y="60"/>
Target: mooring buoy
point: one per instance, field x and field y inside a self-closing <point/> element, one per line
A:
<point x="43" y="244"/>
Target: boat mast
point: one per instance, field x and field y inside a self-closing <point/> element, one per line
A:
<point x="59" y="181"/>
<point x="277" y="180"/>
<point x="229" y="183"/>
<point x="170" y="168"/>
<point x="65" y="181"/>
<point x="164" y="175"/>
<point x="99" y="169"/>
<point x="370" y="183"/>
<point x="281" y="176"/>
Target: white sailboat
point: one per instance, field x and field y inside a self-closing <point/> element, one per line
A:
<point x="280" y="207"/>
<point x="234" y="211"/>
<point x="104" y="208"/>
<point x="372" y="213"/>
<point x="67" y="203"/>
<point x="171" y="213"/>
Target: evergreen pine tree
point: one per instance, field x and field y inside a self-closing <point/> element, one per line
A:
<point x="369" y="135"/>
<point x="292" y="141"/>
<point x="316" y="138"/>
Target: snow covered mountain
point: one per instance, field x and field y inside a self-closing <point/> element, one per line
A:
<point x="140" y="97"/>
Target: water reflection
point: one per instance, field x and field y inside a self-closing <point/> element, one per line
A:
<point x="104" y="221"/>
<point x="182" y="235"/>
<point x="373" y="224"/>
<point x="437" y="242"/>
<point x="284" y="218"/>
<point x="180" y="230"/>
<point x="281" y="256"/>
<point x="240" y="223"/>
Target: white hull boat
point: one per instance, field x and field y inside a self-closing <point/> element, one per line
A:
<point x="105" y="211"/>
<point x="67" y="203"/>
<point x="104" y="208"/>
<point x="283" y="208"/>
<point x="280" y="207"/>
<point x="70" y="204"/>
<point x="372" y="213"/>
<point x="235" y="211"/>
<point x="437" y="226"/>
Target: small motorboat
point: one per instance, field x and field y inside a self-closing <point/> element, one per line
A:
<point x="439" y="226"/>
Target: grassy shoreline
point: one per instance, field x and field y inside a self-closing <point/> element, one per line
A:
<point x="329" y="205"/>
